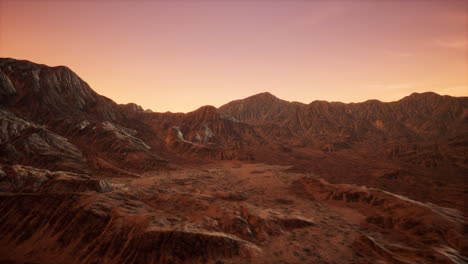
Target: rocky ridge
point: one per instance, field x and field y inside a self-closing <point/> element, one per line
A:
<point x="86" y="180"/>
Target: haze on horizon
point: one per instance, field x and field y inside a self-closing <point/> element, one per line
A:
<point x="180" y="55"/>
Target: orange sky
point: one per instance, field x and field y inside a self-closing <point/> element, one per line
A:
<point x="180" y="55"/>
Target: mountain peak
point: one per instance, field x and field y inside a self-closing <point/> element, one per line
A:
<point x="57" y="92"/>
<point x="206" y="108"/>
<point x="264" y="95"/>
<point x="424" y="94"/>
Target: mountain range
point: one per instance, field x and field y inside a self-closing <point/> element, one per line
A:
<point x="60" y="140"/>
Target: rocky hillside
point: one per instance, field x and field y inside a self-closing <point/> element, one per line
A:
<point x="60" y="114"/>
<point x="86" y="180"/>
<point x="52" y="119"/>
<point x="424" y="116"/>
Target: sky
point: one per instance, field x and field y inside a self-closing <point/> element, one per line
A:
<point x="179" y="55"/>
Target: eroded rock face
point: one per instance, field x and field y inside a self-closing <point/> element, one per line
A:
<point x="261" y="127"/>
<point x="131" y="110"/>
<point x="59" y="139"/>
<point x="411" y="229"/>
<point x="31" y="144"/>
<point x="205" y="133"/>
<point x="6" y="87"/>
<point x="91" y="228"/>
<point x="25" y="179"/>
<point x="413" y="117"/>
<point x="240" y="220"/>
<point x="79" y="219"/>
<point x="70" y="121"/>
<point x="47" y="93"/>
<point x="112" y="149"/>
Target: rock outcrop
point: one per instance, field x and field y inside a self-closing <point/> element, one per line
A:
<point x="407" y="229"/>
<point x="61" y="144"/>
<point x="71" y="122"/>
<point x="24" y="142"/>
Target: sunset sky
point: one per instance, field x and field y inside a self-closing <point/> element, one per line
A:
<point x="180" y="55"/>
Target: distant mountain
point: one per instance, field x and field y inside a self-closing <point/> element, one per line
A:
<point x="52" y="119"/>
<point x="63" y="148"/>
<point x="418" y="116"/>
<point x="262" y="108"/>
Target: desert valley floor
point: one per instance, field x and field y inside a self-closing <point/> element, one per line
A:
<point x="258" y="180"/>
<point x="228" y="212"/>
<point x="317" y="232"/>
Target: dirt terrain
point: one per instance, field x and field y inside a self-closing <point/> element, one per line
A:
<point x="270" y="192"/>
<point x="258" y="180"/>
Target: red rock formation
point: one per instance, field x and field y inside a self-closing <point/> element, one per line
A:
<point x="410" y="229"/>
<point x="57" y="99"/>
<point x="59" y="139"/>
